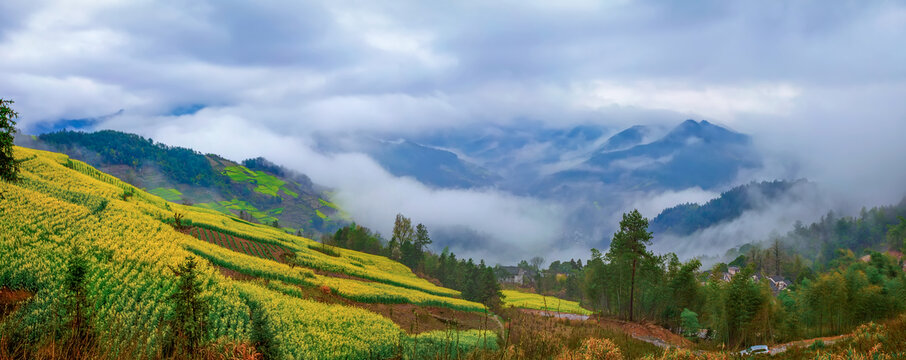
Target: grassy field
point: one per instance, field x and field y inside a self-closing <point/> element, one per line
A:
<point x="266" y="184"/>
<point x="523" y="300"/>
<point x="234" y="206"/>
<point x="171" y="195"/>
<point x="63" y="204"/>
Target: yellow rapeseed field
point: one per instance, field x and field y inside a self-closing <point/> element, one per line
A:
<point x="62" y="204"/>
<point x="534" y="301"/>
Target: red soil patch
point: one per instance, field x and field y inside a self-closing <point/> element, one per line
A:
<point x="238" y="244"/>
<point x="11" y="299"/>
<point x="233" y="274"/>
<point x="645" y="331"/>
<point x="808" y="342"/>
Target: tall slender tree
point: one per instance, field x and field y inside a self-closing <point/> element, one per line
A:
<point x="630" y="244"/>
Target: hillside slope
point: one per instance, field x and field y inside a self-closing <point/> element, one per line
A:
<point x="256" y="188"/>
<point x="128" y="242"/>
<point x="685" y="219"/>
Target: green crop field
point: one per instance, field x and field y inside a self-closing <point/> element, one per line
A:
<point x="171" y="195"/>
<point x="235" y="206"/>
<point x="266" y="184"/>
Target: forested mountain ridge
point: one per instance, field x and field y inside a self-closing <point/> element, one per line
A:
<point x="255" y="189"/>
<point x="685" y="219"/>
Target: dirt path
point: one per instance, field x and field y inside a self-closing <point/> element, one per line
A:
<point x="647" y="332"/>
<point x="650" y="333"/>
<point x="777" y="349"/>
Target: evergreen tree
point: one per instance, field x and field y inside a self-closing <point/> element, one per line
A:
<point x="81" y="332"/>
<point x="263" y="338"/>
<point x="189" y="319"/>
<point x="629" y="244"/>
<point x="9" y="167"/>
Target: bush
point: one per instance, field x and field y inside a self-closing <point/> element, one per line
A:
<point x="593" y="349"/>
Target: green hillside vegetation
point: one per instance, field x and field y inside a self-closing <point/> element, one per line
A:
<point x="171" y="195"/>
<point x="254" y="187"/>
<point x="65" y="209"/>
<point x="685" y="219"/>
<point x="266" y="184"/>
<point x="237" y="206"/>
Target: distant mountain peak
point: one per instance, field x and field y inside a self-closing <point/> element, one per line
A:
<point x="705" y="131"/>
<point x="625" y="139"/>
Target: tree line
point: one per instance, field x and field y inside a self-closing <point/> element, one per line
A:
<point x="823" y="297"/>
<point x="409" y="245"/>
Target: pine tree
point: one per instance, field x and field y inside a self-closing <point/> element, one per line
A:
<point x="81" y="332"/>
<point x="630" y="244"/>
<point x="263" y="338"/>
<point x="189" y="319"/>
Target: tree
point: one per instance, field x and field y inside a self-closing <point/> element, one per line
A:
<point x="690" y="322"/>
<point x="402" y="232"/>
<point x="9" y="167"/>
<point x="630" y="244"/>
<point x="81" y="333"/>
<point x="263" y="338"/>
<point x="537" y="261"/>
<point x="422" y="238"/>
<point x="189" y="319"/>
<point x="896" y="234"/>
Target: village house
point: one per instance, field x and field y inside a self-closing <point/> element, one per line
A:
<point x="514" y="275"/>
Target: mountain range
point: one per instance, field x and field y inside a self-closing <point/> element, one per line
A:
<point x="590" y="167"/>
<point x="550" y="162"/>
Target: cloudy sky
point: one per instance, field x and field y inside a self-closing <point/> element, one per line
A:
<point x="821" y="84"/>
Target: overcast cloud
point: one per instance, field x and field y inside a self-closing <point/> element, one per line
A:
<point x="820" y="85"/>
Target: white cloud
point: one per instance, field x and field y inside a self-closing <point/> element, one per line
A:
<point x="366" y="190"/>
<point x="705" y="101"/>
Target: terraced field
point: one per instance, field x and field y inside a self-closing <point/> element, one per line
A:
<point x="253" y="248"/>
<point x="267" y="184"/>
<point x="61" y="204"/>
<point x="236" y="205"/>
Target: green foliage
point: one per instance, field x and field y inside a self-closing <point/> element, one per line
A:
<point x="262" y="336"/>
<point x="9" y="166"/>
<point x="896" y="234"/>
<point x="183" y="165"/>
<point x="687" y="218"/>
<point x="690" y="323"/>
<point x="189" y="319"/>
<point x="171" y="195"/>
<point x="266" y="183"/>
<point x="628" y="248"/>
<point x="80" y="326"/>
<point x="402" y="233"/>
